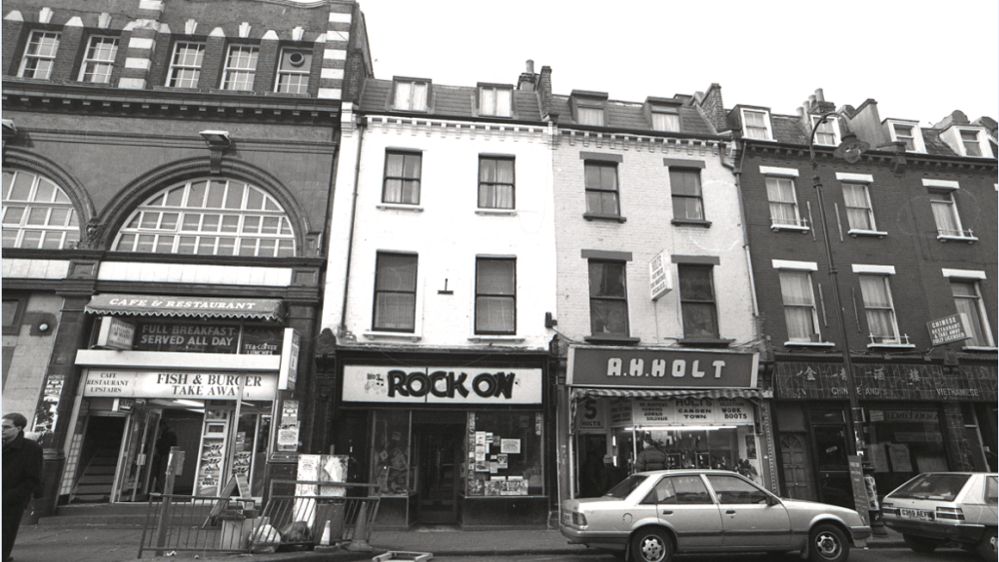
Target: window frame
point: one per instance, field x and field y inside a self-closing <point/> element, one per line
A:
<point x="591" y="110"/>
<point x="32" y="55"/>
<point x="767" y="126"/>
<point x="480" y="294"/>
<point x="306" y="70"/>
<point x="699" y="197"/>
<point x="940" y="197"/>
<point x="659" y="111"/>
<point x="229" y="72"/>
<point x="914" y="133"/>
<point x="868" y="209"/>
<point x="412" y="83"/>
<point x="87" y="61"/>
<point x="20" y="303"/>
<point x="68" y="233"/>
<point x="686" y="301"/>
<point x="799" y="224"/>
<point x="833" y="123"/>
<point x="896" y="337"/>
<point x="376" y="291"/>
<point x="483" y="110"/>
<point x="496" y="184"/>
<point x="402" y="178"/>
<point x="174" y="68"/>
<point x="978" y="142"/>
<point x="979" y="307"/>
<point x="807" y="269"/>
<point x="601" y="189"/>
<point x="620" y="299"/>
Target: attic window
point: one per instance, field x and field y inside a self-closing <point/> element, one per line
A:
<point x="907" y="132"/>
<point x="495" y="100"/>
<point x="588" y="107"/>
<point x="828" y="132"/>
<point x="586" y="115"/>
<point x="665" y="119"/>
<point x="971" y="142"/>
<point x="756" y="124"/>
<point x="411" y="95"/>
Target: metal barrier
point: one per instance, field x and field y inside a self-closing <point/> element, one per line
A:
<point x="297" y="515"/>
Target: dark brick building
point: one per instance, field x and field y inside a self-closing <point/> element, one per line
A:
<point x="912" y="235"/>
<point x="168" y="170"/>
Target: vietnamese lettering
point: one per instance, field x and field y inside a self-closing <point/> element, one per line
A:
<point x="448" y="384"/>
<point x="677" y="368"/>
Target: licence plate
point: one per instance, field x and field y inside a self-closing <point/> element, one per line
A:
<point x="916" y="514"/>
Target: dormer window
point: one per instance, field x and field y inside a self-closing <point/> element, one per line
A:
<point x="411" y="95"/>
<point x="827" y="134"/>
<point x="969" y="140"/>
<point x="496" y="101"/>
<point x="907" y="132"/>
<point x="590" y="116"/>
<point x="588" y="107"/>
<point x="756" y="124"/>
<point x="665" y="119"/>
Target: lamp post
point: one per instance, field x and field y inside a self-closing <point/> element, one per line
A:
<point x="850" y="150"/>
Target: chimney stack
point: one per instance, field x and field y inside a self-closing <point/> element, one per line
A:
<point x="528" y="80"/>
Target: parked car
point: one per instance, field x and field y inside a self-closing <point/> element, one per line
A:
<point x="652" y="515"/>
<point x="943" y="508"/>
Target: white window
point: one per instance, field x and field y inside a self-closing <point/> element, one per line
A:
<point x="216" y="217"/>
<point x="185" y="65"/>
<point x="971" y="143"/>
<point x="36" y="213"/>
<point x="968" y="301"/>
<point x="665" y="119"/>
<point x="800" y="314"/>
<point x="945" y="215"/>
<point x="590" y="116"/>
<point x="39" y="55"/>
<point x="496" y="101"/>
<point x="293" y="72"/>
<point x="756" y="124"/>
<point x="907" y="132"/>
<point x="879" y="309"/>
<point x="859" y="214"/>
<point x="98" y="60"/>
<point x="783" y="203"/>
<point x="827" y="133"/>
<point x="410" y="95"/>
<point x="496" y="185"/>
<point x="240" y="68"/>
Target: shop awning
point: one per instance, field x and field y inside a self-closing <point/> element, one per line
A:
<point x="672" y="393"/>
<point x="120" y="304"/>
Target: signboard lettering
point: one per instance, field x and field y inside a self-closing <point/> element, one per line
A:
<point x="441" y="385"/>
<point x="115" y="333"/>
<point x="678" y="412"/>
<point x="659" y="281"/>
<point x="948" y="329"/>
<point x="167" y="384"/>
<point x="660" y="368"/>
<point x="202" y="338"/>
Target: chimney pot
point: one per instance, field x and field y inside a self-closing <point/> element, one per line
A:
<point x="811" y="100"/>
<point x="820" y="95"/>
<point x="530" y="66"/>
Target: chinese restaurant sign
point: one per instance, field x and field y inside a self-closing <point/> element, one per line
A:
<point x="881" y="381"/>
<point x="441" y="385"/>
<point x="948" y="329"/>
<point x="108" y="383"/>
<point x="660" y="368"/>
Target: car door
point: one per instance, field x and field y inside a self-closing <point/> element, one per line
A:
<point x="751" y="517"/>
<point x="686" y="507"/>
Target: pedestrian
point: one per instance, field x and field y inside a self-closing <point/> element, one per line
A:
<point x="652" y="457"/>
<point x="166" y="440"/>
<point x="22" y="476"/>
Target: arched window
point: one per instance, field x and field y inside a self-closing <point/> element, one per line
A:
<point x="216" y="217"/>
<point x="37" y="213"/>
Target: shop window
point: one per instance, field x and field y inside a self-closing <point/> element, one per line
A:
<point x="697" y="301"/>
<point x="608" y="298"/>
<point x="395" y="292"/>
<point x="903" y="443"/>
<point x="390" y="465"/>
<point x="495" y="296"/>
<point x="496" y="186"/>
<point x="37" y="213"/>
<point x="216" y="217"/>
<point x="507" y="458"/>
<point x="403" y="171"/>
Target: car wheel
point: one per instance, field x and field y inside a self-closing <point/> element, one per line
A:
<point x="828" y="544"/>
<point x="987" y="546"/>
<point x="651" y="545"/>
<point x="920" y="544"/>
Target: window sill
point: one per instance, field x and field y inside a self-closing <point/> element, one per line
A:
<point x="400" y="336"/>
<point x="485" y="338"/>
<point x="789" y="227"/>
<point x="822" y="344"/>
<point x="951" y="237"/>
<point x="705" y="342"/>
<point x="599" y="217"/>
<point x="980" y="348"/>
<point x="399" y="207"/>
<point x="691" y="222"/>
<point x="496" y="212"/>
<point x="855" y="232"/>
<point x="891" y="346"/>
<point x="611" y="339"/>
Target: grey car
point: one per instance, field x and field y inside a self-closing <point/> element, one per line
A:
<point x="652" y="515"/>
<point x="940" y="508"/>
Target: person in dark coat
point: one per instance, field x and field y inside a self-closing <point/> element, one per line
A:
<point x="651" y="457"/>
<point x="22" y="476"/>
<point x="166" y="440"/>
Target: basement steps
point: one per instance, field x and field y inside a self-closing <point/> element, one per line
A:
<point x="95" y="482"/>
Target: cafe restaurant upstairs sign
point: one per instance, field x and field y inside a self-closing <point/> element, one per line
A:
<point x="660" y="368"/>
<point x="184" y="306"/>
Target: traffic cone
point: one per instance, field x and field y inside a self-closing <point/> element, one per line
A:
<point x="359" y="542"/>
<point x="325" y="542"/>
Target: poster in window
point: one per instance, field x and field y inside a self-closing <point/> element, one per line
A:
<point x="510" y="446"/>
<point x="899" y="455"/>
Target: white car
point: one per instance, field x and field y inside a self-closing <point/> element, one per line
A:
<point x="940" y="508"/>
<point x="652" y="515"/>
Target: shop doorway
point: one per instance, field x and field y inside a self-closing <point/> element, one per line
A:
<point x="98" y="459"/>
<point x="595" y="478"/>
<point x="797" y="466"/>
<point x="438" y="452"/>
<point x="833" y="470"/>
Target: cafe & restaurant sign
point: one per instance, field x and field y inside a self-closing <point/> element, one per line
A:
<point x="114" y="383"/>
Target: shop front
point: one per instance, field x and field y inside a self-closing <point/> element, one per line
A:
<point x="448" y="444"/>
<point x="916" y="418"/>
<point x="634" y="409"/>
<point x="199" y="374"/>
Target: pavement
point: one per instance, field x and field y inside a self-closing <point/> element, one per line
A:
<point x="98" y="542"/>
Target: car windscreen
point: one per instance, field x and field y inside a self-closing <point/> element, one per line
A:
<point x="943" y="487"/>
<point x="625" y="487"/>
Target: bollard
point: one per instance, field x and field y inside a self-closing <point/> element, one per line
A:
<point x="359" y="542"/>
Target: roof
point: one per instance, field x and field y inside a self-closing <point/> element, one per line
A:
<point x="448" y="101"/>
<point x="633" y="116"/>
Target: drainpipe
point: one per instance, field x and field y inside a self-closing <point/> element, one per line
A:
<point x="737" y="172"/>
<point x="361" y="125"/>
